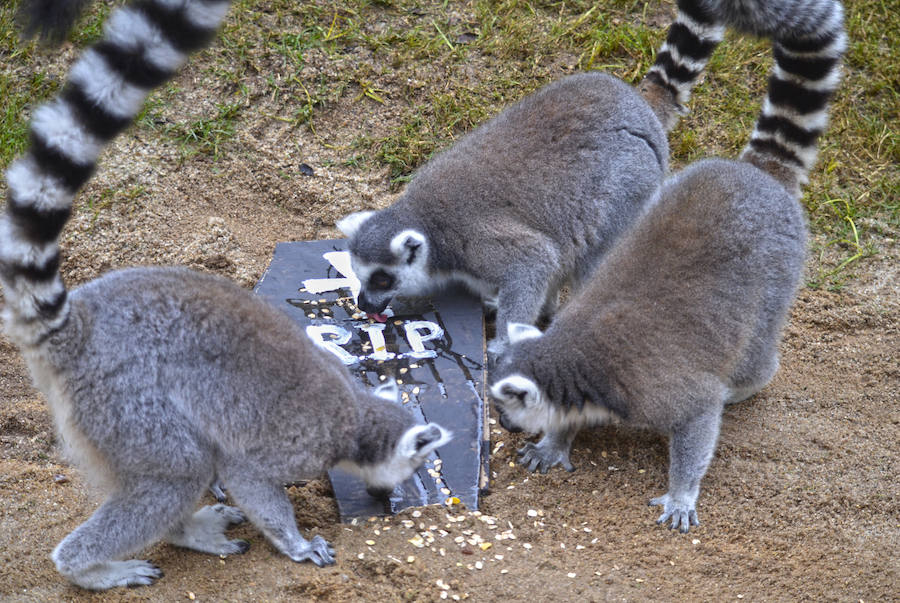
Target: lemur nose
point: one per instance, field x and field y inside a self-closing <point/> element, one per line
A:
<point x="379" y="492"/>
<point x="507" y="425"/>
<point x="365" y="304"/>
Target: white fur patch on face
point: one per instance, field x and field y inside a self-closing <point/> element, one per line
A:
<point x="516" y="390"/>
<point x="409" y="279"/>
<point x="105" y="87"/>
<point x="411" y="450"/>
<point x="527" y="406"/>
<point x="362" y="270"/>
<point x="419" y="441"/>
<point x="351" y="223"/>
<point x="413" y="279"/>
<point x="517" y="331"/>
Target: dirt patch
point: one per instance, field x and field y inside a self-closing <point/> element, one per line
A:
<point x="800" y="502"/>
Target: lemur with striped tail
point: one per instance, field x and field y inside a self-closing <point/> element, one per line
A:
<point x="161" y="379"/>
<point x="808" y="41"/>
<point x="681" y="317"/>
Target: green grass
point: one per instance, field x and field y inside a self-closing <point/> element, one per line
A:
<point x="433" y="70"/>
<point x="206" y="134"/>
<point x="19" y="94"/>
<point x="20" y="88"/>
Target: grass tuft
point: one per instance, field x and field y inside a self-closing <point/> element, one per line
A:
<point x="416" y="75"/>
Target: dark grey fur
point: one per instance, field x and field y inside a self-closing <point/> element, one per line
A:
<point x="526" y="202"/>
<point x="162" y="379"/>
<point x="49" y="20"/>
<point x="682" y="317"/>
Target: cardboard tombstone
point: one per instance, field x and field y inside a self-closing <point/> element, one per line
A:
<point x="432" y="346"/>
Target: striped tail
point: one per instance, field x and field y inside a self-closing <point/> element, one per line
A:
<point x="690" y="42"/>
<point x="144" y="44"/>
<point x="49" y="20"/>
<point x="795" y="113"/>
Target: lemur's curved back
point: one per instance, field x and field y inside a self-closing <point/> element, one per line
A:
<point x="808" y="43"/>
<point x="144" y="44"/>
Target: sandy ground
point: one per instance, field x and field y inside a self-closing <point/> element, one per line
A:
<point x="800" y="503"/>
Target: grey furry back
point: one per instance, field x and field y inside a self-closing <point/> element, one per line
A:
<point x="682" y="317"/>
<point x="700" y="290"/>
<point x="700" y="287"/>
<point x="181" y="354"/>
<point x="553" y="162"/>
<point x="528" y="201"/>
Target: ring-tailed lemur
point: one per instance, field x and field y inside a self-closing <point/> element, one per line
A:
<point x="527" y="201"/>
<point x="808" y="42"/>
<point x="159" y="379"/>
<point x="681" y="317"/>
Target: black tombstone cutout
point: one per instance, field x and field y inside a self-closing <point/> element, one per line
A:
<point x="433" y="347"/>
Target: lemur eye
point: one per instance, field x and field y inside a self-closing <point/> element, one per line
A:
<point x="381" y="280"/>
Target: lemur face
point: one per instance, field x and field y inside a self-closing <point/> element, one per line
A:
<point x="517" y="398"/>
<point x="411" y="451"/>
<point x="380" y="283"/>
<point x="520" y="403"/>
<point x="386" y="262"/>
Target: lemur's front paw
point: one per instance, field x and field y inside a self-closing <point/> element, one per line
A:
<point x="536" y="457"/>
<point x="682" y="512"/>
<point x="231" y="516"/>
<point x="110" y="574"/>
<point x="218" y="491"/>
<point x="316" y="550"/>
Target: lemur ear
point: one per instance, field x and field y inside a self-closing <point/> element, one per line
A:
<point x="389" y="390"/>
<point x="516" y="389"/>
<point x="351" y="223"/>
<point x="407" y="246"/>
<point x="431" y="437"/>
<point x="517" y="331"/>
<point x="421" y="440"/>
